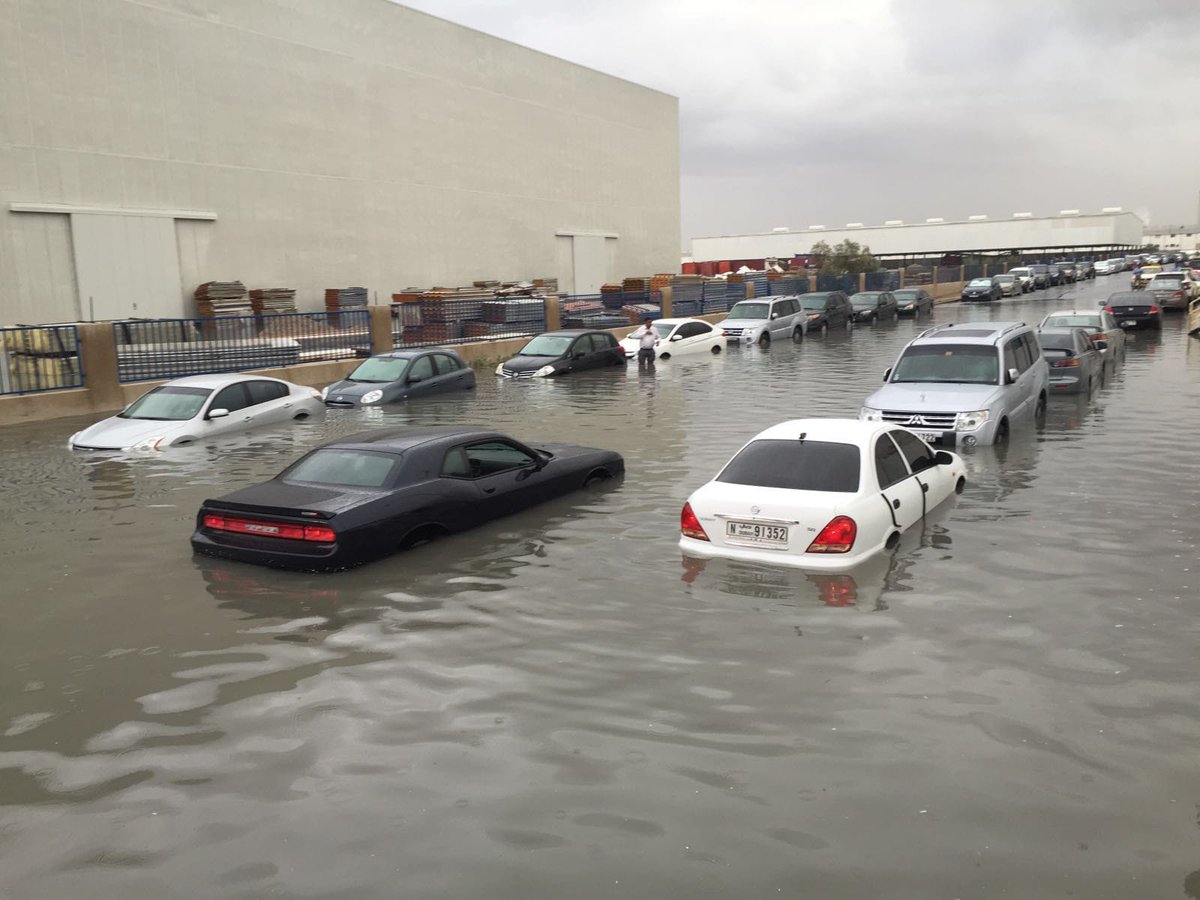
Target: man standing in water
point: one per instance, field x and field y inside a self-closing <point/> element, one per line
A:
<point x="647" y="338"/>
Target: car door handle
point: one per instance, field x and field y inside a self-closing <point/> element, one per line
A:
<point x="489" y="490"/>
<point x="925" y="488"/>
<point x="895" y="504"/>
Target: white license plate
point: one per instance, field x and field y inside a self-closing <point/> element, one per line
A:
<point x="1128" y="322"/>
<point x="756" y="533"/>
<point x="929" y="436"/>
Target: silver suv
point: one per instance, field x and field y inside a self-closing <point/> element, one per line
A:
<point x="763" y="320"/>
<point x="964" y="384"/>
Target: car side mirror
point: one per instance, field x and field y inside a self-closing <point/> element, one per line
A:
<point x="943" y="458"/>
<point x="1101" y="345"/>
<point x="677" y="337"/>
<point x="774" y="316"/>
<point x="887" y="374"/>
<point x="414" y="379"/>
<point x="217" y="414"/>
<point x="1102" y="303"/>
<point x="578" y="354"/>
<point x="1013" y="375"/>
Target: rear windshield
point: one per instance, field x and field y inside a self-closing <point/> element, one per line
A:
<point x="795" y="466"/>
<point x="1057" y="341"/>
<point x="346" y="468"/>
<point x="1163" y="278"/>
<point x="949" y="364"/>
<point x="1072" y="321"/>
<point x="1129" y="298"/>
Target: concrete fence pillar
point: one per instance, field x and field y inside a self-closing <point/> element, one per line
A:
<point x="553" y="313"/>
<point x="901" y="276"/>
<point x="749" y="290"/>
<point x="381" y="330"/>
<point x="98" y="356"/>
<point x="667" y="301"/>
<point x="862" y="281"/>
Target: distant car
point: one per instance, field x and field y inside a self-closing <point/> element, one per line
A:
<point x="826" y="310"/>
<point x="1074" y="361"/>
<point x="871" y="306"/>
<point x="818" y="494"/>
<point x="1172" y="290"/>
<point x="1041" y="276"/>
<point x="368" y="495"/>
<point x="197" y="409"/>
<point x="913" y="302"/>
<point x="1086" y="270"/>
<point x="400" y="375"/>
<point x="1026" y="275"/>
<point x="1105" y="333"/>
<point x="1133" y="310"/>
<point x="764" y="320"/>
<point x="982" y="289"/>
<point x="1056" y="276"/>
<point x="678" y="337"/>
<point x="1068" y="272"/>
<point x="562" y="352"/>
<point x="1141" y="276"/>
<point x="1193" y="267"/>
<point x="1010" y="285"/>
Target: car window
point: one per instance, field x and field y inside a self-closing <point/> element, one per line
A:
<point x="348" y="468"/>
<point x="889" y="464"/>
<point x="796" y="466"/>
<point x="445" y="364"/>
<point x="421" y="368"/>
<point x="1031" y="347"/>
<point x="379" y="369"/>
<point x="491" y="457"/>
<point x="916" y="452"/>
<point x="168" y="404"/>
<point x="1015" y="356"/>
<point x="231" y="398"/>
<point x="265" y="391"/>
<point x="947" y="364"/>
<point x="456" y="464"/>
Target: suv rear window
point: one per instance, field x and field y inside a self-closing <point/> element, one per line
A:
<point x="795" y="466"/>
<point x="948" y="364"/>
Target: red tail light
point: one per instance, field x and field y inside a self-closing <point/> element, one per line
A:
<point x="836" y="537"/>
<point x="320" y="534"/>
<point x="1154" y="310"/>
<point x="1179" y="294"/>
<point x="689" y="525"/>
<point x="1064" y="363"/>
<point x="1108" y="308"/>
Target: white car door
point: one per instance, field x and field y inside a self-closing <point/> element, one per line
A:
<point x="270" y="402"/>
<point x="236" y="401"/>
<point x="691" y="337"/>
<point x="902" y="493"/>
<point x="937" y="482"/>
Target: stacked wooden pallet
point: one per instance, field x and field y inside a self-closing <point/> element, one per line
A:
<point x="217" y="299"/>
<point x="273" y="300"/>
<point x="513" y="310"/>
<point x="340" y="299"/>
<point x="457" y="305"/>
<point x="39" y="359"/>
<point x="635" y="313"/>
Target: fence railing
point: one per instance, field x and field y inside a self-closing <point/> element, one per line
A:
<point x="39" y="358"/>
<point x="784" y="287"/>
<point x="846" y="283"/>
<point x="884" y="280"/>
<point x="455" y="320"/>
<point x="150" y="349"/>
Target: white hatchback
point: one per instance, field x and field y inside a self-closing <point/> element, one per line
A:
<point x="199" y="408"/>
<point x="819" y="494"/>
<point x="678" y="337"/>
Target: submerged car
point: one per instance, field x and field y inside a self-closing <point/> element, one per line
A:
<point x="197" y="409"/>
<point x="368" y="495"/>
<point x="963" y="384"/>
<point x="1075" y="363"/>
<point x="1103" y="329"/>
<point x="913" y="302"/>
<point x="1133" y="310"/>
<point x="826" y="310"/>
<point x="764" y="320"/>
<point x="400" y="375"/>
<point x="819" y="493"/>
<point x="678" y="337"/>
<point x="561" y="352"/>
<point x="871" y="306"/>
<point x="1172" y="290"/>
<point x="982" y="289"/>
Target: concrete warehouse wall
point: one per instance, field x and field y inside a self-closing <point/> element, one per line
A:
<point x="310" y="144"/>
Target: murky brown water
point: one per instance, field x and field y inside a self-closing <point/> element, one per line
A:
<point x="556" y="706"/>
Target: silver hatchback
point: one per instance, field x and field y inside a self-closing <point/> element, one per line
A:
<point x="763" y="320"/>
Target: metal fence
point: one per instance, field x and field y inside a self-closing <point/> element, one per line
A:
<point x="883" y="280"/>
<point x="846" y="283"/>
<point x="947" y="274"/>
<point x="456" y="320"/>
<point x="39" y="358"/>
<point x="786" y="286"/>
<point x="172" y="348"/>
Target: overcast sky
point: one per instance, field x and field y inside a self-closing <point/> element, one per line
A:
<point x="802" y="112"/>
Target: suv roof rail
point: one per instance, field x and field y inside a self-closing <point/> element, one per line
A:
<point x="933" y="330"/>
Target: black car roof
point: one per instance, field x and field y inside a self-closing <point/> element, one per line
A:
<point x="571" y="332"/>
<point x="398" y="440"/>
<point x="415" y="351"/>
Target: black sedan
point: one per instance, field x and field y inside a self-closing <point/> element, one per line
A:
<point x="1134" y="309"/>
<point x="559" y="352"/>
<point x="400" y="375"/>
<point x="982" y="289"/>
<point x="369" y="495"/>
<point x="825" y="310"/>
<point x="871" y="306"/>
<point x="913" y="302"/>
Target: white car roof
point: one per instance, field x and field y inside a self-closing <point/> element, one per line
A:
<point x="843" y="431"/>
<point x="1074" y="312"/>
<point x="679" y="321"/>
<point x="221" y="380"/>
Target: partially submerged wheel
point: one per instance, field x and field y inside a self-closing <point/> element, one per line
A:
<point x="716" y="348"/>
<point x="764" y="339"/>
<point x="797" y="335"/>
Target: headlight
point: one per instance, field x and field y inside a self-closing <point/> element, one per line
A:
<point x="150" y="443"/>
<point x="867" y="414"/>
<point x="371" y="397"/>
<point x="324" y="392"/>
<point x="500" y="369"/>
<point x="814" y="316"/>
<point x="971" y="421"/>
<point x="544" y="371"/>
<point x="907" y="306"/>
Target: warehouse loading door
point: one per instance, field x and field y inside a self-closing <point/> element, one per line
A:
<point x="127" y="266"/>
<point x="590" y="258"/>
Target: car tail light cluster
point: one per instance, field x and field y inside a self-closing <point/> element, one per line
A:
<point x="1154" y="310"/>
<point x="320" y="534"/>
<point x="690" y="525"/>
<point x="836" y="537"/>
<point x="1108" y="308"/>
<point x="1065" y="363"/>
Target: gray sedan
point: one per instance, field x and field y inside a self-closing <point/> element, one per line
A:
<point x="1075" y="364"/>
<point x="400" y="375"/>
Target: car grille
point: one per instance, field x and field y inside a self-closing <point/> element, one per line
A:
<point x="733" y="332"/>
<point x="340" y="404"/>
<point x="938" y="421"/>
<point x="509" y="373"/>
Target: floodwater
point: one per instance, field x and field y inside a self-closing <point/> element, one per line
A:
<point x="558" y="705"/>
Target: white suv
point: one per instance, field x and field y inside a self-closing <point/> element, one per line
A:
<point x="763" y="320"/>
<point x="964" y="384"/>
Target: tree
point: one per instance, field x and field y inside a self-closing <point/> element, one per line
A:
<point x="848" y="257"/>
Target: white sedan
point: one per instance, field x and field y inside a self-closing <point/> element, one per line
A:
<point x="678" y="337"/>
<point x="198" y="408"/>
<point x="819" y="494"/>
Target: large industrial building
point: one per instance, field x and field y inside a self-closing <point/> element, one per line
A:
<point x="148" y="146"/>
<point x="1070" y="232"/>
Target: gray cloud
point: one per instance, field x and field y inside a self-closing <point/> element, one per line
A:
<point x="830" y="111"/>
